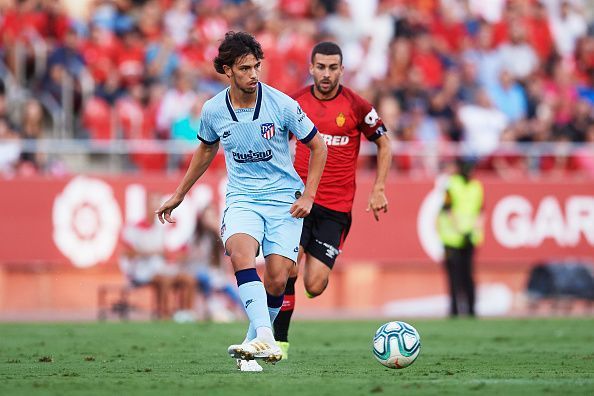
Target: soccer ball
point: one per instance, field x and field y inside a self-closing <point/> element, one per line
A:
<point x="396" y="344"/>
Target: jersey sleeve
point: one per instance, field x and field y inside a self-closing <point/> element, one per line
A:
<point x="370" y="123"/>
<point x="297" y="122"/>
<point x="206" y="133"/>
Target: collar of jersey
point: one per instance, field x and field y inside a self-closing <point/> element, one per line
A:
<point x="311" y="90"/>
<point x="256" y="109"/>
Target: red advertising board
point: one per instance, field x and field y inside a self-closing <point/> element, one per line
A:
<point x="526" y="221"/>
<point x="77" y="220"/>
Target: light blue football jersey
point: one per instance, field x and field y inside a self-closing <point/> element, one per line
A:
<point x="256" y="143"/>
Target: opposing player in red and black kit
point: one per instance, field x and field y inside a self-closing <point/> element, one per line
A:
<point x="342" y="117"/>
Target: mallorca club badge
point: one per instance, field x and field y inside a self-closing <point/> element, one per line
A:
<point x="267" y="130"/>
<point x="340" y="119"/>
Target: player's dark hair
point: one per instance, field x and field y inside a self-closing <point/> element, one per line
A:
<point x="326" y="48"/>
<point x="235" y="46"/>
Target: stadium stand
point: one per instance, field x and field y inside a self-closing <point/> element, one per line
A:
<point x="109" y="70"/>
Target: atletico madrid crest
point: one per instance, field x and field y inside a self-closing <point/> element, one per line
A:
<point x="267" y="130"/>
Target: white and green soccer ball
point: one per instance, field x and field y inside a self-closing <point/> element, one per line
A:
<point x="396" y="344"/>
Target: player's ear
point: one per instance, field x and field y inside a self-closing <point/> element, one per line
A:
<point x="228" y="71"/>
<point x="311" y="69"/>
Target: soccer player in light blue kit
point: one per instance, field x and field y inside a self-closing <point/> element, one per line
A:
<point x="266" y="200"/>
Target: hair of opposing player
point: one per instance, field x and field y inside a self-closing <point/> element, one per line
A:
<point x="235" y="46"/>
<point x="326" y="48"/>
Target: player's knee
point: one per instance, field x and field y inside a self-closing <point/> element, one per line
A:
<point x="275" y="285"/>
<point x="316" y="287"/>
<point x="241" y="259"/>
<point x="313" y="292"/>
<point x="294" y="271"/>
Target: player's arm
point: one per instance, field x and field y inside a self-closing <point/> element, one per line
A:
<point x="374" y="129"/>
<point x="377" y="199"/>
<point x="201" y="159"/>
<point x="317" y="160"/>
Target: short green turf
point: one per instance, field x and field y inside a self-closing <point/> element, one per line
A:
<point x="458" y="357"/>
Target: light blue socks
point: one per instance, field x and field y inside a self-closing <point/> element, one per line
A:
<point x="253" y="297"/>
<point x="274" y="305"/>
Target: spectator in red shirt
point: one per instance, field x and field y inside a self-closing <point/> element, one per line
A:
<point x="100" y="52"/>
<point x="447" y="32"/>
<point x="538" y="31"/>
<point x="426" y="60"/>
<point x="130" y="58"/>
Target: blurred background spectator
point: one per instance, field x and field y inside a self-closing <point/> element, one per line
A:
<point x="103" y="70"/>
<point x="144" y="262"/>
<point x="204" y="262"/>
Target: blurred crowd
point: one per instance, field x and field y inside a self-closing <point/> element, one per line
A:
<point x="477" y="72"/>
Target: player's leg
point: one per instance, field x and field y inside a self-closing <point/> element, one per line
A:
<point x="242" y="229"/>
<point x="275" y="280"/>
<point x="281" y="249"/>
<point x="254" y="299"/>
<point x="280" y="246"/>
<point x="278" y="269"/>
<point x="329" y="231"/>
<point x="283" y="320"/>
<point x="316" y="274"/>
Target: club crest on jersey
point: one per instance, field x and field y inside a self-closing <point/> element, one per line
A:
<point x="267" y="130"/>
<point x="340" y="119"/>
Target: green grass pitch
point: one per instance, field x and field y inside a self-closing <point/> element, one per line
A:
<point x="458" y="357"/>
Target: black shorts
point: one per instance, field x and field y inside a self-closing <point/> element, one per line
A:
<point x="324" y="231"/>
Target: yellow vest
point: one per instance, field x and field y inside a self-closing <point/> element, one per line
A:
<point x="466" y="205"/>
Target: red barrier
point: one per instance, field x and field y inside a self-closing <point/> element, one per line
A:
<point x="77" y="220"/>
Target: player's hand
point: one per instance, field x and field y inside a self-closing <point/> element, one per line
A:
<point x="377" y="203"/>
<point x="301" y="207"/>
<point x="164" y="212"/>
